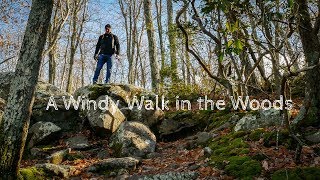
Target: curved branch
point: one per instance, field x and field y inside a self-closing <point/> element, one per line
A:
<point x="224" y="82"/>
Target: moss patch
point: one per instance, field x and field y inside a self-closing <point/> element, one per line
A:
<point x="97" y="90"/>
<point x="270" y="139"/>
<point x="32" y="173"/>
<point x="243" y="167"/>
<point x="309" y="173"/>
<point x="230" y="153"/>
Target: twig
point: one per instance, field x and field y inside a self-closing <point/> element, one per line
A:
<point x="7" y="59"/>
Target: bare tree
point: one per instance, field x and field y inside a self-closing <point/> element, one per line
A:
<point x="60" y="16"/>
<point x="172" y="41"/>
<point x="76" y="22"/>
<point x="155" y="76"/>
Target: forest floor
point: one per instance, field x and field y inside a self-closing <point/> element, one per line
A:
<point x="174" y="157"/>
<point x="269" y="147"/>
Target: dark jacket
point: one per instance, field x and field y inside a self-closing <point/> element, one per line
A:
<point x="108" y="44"/>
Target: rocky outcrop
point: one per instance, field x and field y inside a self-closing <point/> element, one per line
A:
<point x="168" y="175"/>
<point x="265" y="118"/>
<point x="200" y="139"/>
<point x="67" y="119"/>
<point x="62" y="171"/>
<point x="42" y="133"/>
<point x="79" y="142"/>
<point x="59" y="156"/>
<point x="150" y="118"/>
<point x="313" y="137"/>
<point x="109" y="118"/>
<point x="114" y="164"/>
<point x="122" y="96"/>
<point x="181" y="124"/>
<point x="122" y="92"/>
<point x="133" y="139"/>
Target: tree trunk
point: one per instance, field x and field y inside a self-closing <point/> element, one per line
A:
<point x="311" y="48"/>
<point x="15" y="123"/>
<point x="172" y="42"/>
<point x="52" y="65"/>
<point x="155" y="76"/>
<point x="187" y="56"/>
<point x="160" y="34"/>
<point x="77" y="28"/>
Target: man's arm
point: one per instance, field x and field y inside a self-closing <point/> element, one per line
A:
<point x="97" y="47"/>
<point x="116" y="42"/>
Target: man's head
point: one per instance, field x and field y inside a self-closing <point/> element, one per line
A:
<point x="108" y="28"/>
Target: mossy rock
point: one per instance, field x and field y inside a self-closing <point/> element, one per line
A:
<point x="256" y="135"/>
<point x="32" y="173"/>
<point x="243" y="167"/>
<point x="228" y="146"/>
<point x="308" y="173"/>
<point x="74" y="156"/>
<point x="284" y="138"/>
<point x="180" y="124"/>
<point x="298" y="86"/>
<point x="230" y="153"/>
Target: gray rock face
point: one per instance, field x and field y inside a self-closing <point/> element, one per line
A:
<point x="59" y="156"/>
<point x="149" y="118"/>
<point x="41" y="131"/>
<point x="265" y="118"/>
<point x="207" y="151"/>
<point x="114" y="164"/>
<point x="68" y="120"/>
<point x="314" y="138"/>
<point x="115" y="91"/>
<point x="108" y="119"/>
<point x="169" y="175"/>
<point x="201" y="138"/>
<point x="133" y="139"/>
<point x="78" y="142"/>
<point x="62" y="171"/>
<point x="123" y="95"/>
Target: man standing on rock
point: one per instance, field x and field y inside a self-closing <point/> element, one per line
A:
<point x="107" y="48"/>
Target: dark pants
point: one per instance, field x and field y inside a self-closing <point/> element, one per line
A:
<point x="102" y="59"/>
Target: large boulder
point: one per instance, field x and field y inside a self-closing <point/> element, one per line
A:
<point x="108" y="118"/>
<point x="113" y="164"/>
<point x="150" y="118"/>
<point x="122" y="92"/>
<point x="65" y="117"/>
<point x="62" y="171"/>
<point x="123" y="95"/>
<point x="78" y="142"/>
<point x="313" y="137"/>
<point x="133" y="139"/>
<point x="182" y="124"/>
<point x="42" y="133"/>
<point x="265" y="118"/>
